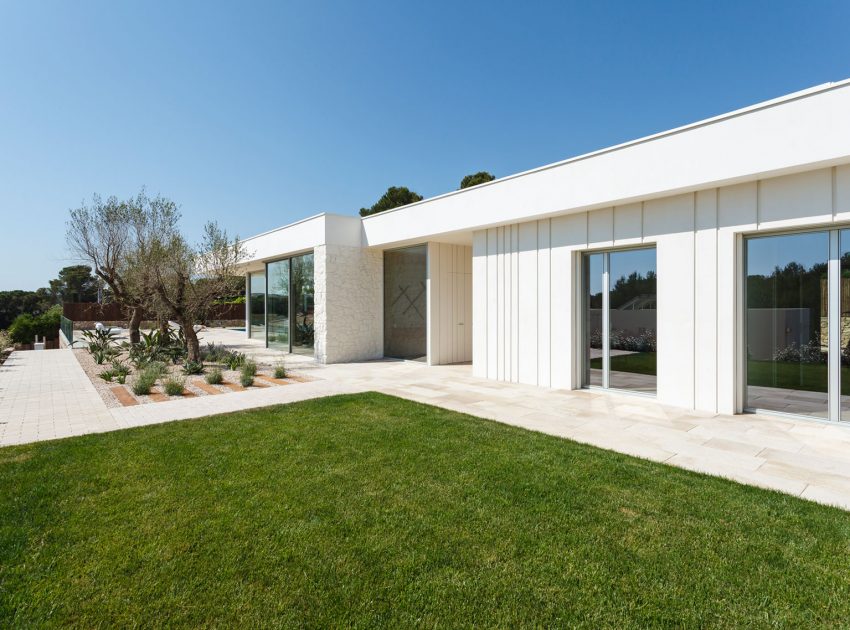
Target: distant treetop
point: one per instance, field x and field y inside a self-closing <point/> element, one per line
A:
<point x="481" y="177"/>
<point x="394" y="197"/>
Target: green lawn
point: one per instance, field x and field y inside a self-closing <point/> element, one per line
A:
<point x="636" y="363"/>
<point x="368" y="510"/>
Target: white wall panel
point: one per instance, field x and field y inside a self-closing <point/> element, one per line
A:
<point x="449" y="291"/>
<point x="477" y="308"/>
<point x="514" y="304"/>
<point x="492" y="304"/>
<point x="628" y="224"/>
<point x="841" y="188"/>
<point x="544" y="301"/>
<point x="600" y="228"/>
<point x="527" y="340"/>
<point x="800" y="199"/>
<point x="705" y="301"/>
<point x="670" y="221"/>
<point x="737" y="207"/>
<point x="568" y="235"/>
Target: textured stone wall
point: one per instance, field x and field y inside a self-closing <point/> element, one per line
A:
<point x="349" y="304"/>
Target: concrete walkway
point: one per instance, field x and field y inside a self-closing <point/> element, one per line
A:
<point x="45" y="395"/>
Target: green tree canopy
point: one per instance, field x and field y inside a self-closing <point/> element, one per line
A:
<point x="75" y="284"/>
<point x="394" y="197"/>
<point x="481" y="177"/>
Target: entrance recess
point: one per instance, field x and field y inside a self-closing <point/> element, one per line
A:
<point x="620" y="320"/>
<point x="406" y="302"/>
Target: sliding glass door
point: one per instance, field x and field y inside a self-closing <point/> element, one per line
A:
<point x="302" y="304"/>
<point x="620" y="320"/>
<point x="289" y="304"/>
<point x="787" y="323"/>
<point x="257" y="305"/>
<point x="278" y="304"/>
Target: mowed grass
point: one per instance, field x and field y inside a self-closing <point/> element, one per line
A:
<point x="366" y="510"/>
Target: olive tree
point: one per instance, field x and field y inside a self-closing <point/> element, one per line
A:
<point x="182" y="281"/>
<point x="102" y="235"/>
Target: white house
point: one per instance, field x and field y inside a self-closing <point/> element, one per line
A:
<point x="708" y="266"/>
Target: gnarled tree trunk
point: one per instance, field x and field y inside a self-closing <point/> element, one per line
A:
<point x="193" y="346"/>
<point x="135" y="323"/>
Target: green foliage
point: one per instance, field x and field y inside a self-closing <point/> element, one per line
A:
<point x="101" y="344"/>
<point x="280" y="370"/>
<point x="119" y="367"/>
<point x="174" y="385"/>
<point x="234" y="360"/>
<point x="481" y="177"/>
<point x="18" y="302"/>
<point x="120" y="370"/>
<point x="395" y="197"/>
<point x="214" y="377"/>
<point x="158" y="345"/>
<point x="214" y="353"/>
<point x="193" y="367"/>
<point x="107" y="375"/>
<point x="26" y="326"/>
<point x="75" y="284"/>
<point x="145" y="380"/>
<point x="247" y="374"/>
<point x="5" y="340"/>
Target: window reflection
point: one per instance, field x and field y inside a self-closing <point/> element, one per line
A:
<point x="257" y="305"/>
<point x="787" y="323"/>
<point x="632" y="320"/>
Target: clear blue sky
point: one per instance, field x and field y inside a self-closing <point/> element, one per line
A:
<point x="257" y="114"/>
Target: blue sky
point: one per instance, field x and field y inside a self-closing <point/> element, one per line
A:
<point x="255" y="114"/>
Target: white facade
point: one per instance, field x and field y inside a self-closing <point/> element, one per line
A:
<point x="504" y="272"/>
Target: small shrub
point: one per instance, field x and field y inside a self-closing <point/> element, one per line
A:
<point x="280" y="370"/>
<point x="145" y="381"/>
<point x="234" y="360"/>
<point x="120" y="368"/>
<point x="174" y="385"/>
<point x="214" y="353"/>
<point x="107" y="375"/>
<point x="193" y="367"/>
<point x="121" y="378"/>
<point x="99" y="355"/>
<point x="250" y="367"/>
<point x="246" y="379"/>
<point x="159" y="367"/>
<point x="5" y="340"/>
<point x="214" y="377"/>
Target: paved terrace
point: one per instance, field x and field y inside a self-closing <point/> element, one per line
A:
<point x="46" y="395"/>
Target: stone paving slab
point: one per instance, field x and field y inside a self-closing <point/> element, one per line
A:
<point x="45" y="395"/>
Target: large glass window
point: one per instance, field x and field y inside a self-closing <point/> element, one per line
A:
<point x="278" y="304"/>
<point x="593" y="353"/>
<point x="632" y="320"/>
<point x="620" y="326"/>
<point x="281" y="304"/>
<point x="302" y="304"/>
<point x="257" y="305"/>
<point x="405" y="302"/>
<point x="787" y="301"/>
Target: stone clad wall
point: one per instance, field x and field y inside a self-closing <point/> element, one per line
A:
<point x="349" y="301"/>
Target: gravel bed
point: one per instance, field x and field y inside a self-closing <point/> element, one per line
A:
<point x="104" y="388"/>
